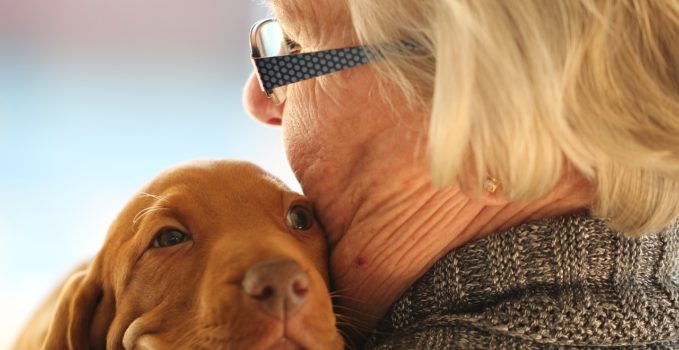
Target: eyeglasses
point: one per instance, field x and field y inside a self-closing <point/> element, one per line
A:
<point x="279" y="63"/>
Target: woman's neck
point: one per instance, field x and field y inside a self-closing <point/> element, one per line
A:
<point x="398" y="229"/>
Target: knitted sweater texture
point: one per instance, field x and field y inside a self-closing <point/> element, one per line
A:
<point x="568" y="282"/>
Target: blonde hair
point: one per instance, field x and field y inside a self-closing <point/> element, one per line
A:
<point x="518" y="89"/>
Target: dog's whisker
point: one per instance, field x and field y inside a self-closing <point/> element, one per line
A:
<point x="345" y="297"/>
<point x="339" y="291"/>
<point x="344" y="311"/>
<point x="353" y="324"/>
<point x="154" y="196"/>
<point x="381" y="333"/>
<point x="145" y="211"/>
<point x="344" y="318"/>
<point x="350" y="335"/>
<point x="346" y="308"/>
<point x="352" y="330"/>
<point x="348" y="341"/>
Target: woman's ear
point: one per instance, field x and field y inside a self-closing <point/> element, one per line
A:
<point x="74" y="315"/>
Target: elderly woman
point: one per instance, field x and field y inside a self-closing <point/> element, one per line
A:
<point x="500" y="174"/>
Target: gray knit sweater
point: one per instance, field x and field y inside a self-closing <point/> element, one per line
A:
<point x="562" y="283"/>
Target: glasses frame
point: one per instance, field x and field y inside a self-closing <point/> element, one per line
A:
<point x="274" y="73"/>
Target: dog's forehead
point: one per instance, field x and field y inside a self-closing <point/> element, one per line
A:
<point x="217" y="173"/>
<point x="204" y="181"/>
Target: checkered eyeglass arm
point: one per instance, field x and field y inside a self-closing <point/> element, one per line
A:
<point x="278" y="71"/>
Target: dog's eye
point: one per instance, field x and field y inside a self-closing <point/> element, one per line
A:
<point x="300" y="218"/>
<point x="170" y="236"/>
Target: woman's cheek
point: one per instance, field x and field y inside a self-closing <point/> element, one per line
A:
<point x="300" y="124"/>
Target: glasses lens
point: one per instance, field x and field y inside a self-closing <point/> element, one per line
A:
<point x="269" y="40"/>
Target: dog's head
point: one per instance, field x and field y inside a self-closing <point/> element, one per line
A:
<point x="213" y="254"/>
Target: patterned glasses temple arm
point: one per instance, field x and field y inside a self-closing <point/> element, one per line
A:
<point x="278" y="71"/>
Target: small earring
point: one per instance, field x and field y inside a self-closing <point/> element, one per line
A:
<point x="491" y="184"/>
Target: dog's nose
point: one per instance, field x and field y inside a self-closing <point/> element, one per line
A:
<point x="280" y="287"/>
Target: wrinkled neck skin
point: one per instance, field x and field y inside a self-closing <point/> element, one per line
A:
<point x="387" y="230"/>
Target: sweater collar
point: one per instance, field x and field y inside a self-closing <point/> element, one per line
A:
<point x="527" y="280"/>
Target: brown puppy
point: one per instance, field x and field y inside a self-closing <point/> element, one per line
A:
<point x="212" y="255"/>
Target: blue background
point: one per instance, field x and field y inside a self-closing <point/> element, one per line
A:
<point x="96" y="98"/>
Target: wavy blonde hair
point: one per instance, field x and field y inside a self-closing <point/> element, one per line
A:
<point x="519" y="89"/>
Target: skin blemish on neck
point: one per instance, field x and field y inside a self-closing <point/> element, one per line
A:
<point x="361" y="261"/>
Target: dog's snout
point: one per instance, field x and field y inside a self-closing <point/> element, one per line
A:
<point x="280" y="287"/>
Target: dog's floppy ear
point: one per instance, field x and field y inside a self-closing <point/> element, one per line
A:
<point x="79" y="321"/>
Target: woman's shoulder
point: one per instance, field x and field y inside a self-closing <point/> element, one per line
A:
<point x="563" y="281"/>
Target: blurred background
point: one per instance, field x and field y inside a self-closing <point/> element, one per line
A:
<point x="96" y="97"/>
